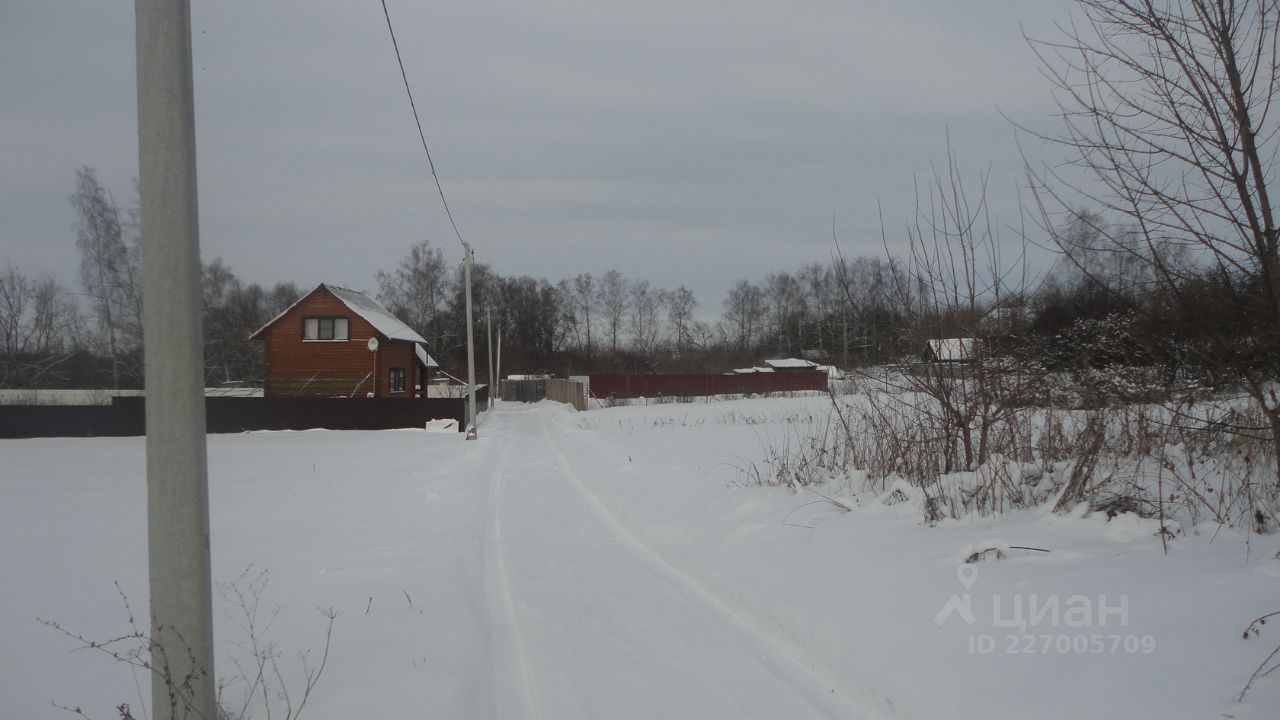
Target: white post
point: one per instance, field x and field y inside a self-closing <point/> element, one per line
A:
<point x="182" y="676"/>
<point x="471" y="354"/>
<point x="499" y="368"/>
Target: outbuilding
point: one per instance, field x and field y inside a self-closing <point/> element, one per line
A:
<point x="792" y="365"/>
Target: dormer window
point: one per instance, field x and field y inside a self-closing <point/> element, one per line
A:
<point x="325" y="328"/>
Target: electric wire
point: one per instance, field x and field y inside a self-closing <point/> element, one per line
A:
<point x="421" y="135"/>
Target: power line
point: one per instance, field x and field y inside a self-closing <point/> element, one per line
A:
<point x="471" y="360"/>
<point x="418" y="122"/>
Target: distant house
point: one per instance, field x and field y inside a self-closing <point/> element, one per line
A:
<point x="816" y="354"/>
<point x="340" y="342"/>
<point x="1006" y="320"/>
<point x="951" y="350"/>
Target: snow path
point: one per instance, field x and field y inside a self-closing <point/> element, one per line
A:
<point x="510" y="656"/>
<point x="599" y="625"/>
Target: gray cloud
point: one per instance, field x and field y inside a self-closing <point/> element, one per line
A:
<point x="685" y="143"/>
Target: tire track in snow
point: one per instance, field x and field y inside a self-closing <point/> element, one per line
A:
<point x="506" y="638"/>
<point x="780" y="653"/>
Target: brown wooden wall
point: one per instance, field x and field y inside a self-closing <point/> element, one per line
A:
<point x="328" y="368"/>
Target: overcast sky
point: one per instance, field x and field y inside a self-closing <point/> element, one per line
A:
<point x="682" y="142"/>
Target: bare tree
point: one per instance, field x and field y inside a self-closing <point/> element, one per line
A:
<point x="955" y="271"/>
<point x="418" y="290"/>
<point x="105" y="266"/>
<point x="744" y="309"/>
<point x="680" y="306"/>
<point x="646" y="305"/>
<point x="583" y="298"/>
<point x="613" y="303"/>
<point x="1167" y="111"/>
<point x="782" y="294"/>
<point x="37" y="322"/>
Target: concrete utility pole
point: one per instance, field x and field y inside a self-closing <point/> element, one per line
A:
<point x="493" y="383"/>
<point x="471" y="352"/>
<point x="182" y="677"/>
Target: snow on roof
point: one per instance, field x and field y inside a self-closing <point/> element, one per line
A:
<point x="423" y="357"/>
<point x="366" y="307"/>
<point x="953" y="349"/>
<point x="791" y="363"/>
<point x="379" y="317"/>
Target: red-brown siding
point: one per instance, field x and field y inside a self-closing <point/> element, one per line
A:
<point x="633" y="386"/>
<point x="297" y="367"/>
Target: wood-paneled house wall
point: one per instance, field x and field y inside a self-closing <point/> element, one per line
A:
<point x="321" y="344"/>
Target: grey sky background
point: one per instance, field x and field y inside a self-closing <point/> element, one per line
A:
<point x="688" y="143"/>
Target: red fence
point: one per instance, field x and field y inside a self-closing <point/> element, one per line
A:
<point x="634" y="386"/>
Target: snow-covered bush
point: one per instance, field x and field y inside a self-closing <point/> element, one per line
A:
<point x="1198" y="462"/>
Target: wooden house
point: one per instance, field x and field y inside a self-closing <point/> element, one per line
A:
<point x="335" y="342"/>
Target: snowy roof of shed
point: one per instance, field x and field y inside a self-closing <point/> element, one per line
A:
<point x="953" y="349"/>
<point x="791" y="363"/>
<point x="366" y="307"/>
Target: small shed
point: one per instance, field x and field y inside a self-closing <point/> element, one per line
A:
<point x="338" y="342"/>
<point x="749" y="371"/>
<point x="950" y="350"/>
<point x="791" y="365"/>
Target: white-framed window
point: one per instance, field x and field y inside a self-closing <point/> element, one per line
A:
<point x="396" y="380"/>
<point x="326" y="328"/>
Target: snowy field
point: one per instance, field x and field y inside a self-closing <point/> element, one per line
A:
<point x="619" y="564"/>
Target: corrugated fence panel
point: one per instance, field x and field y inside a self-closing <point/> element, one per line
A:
<point x="567" y="391"/>
<point x="524" y="390"/>
<point x="637" y="386"/>
<point x="126" y="416"/>
<point x="530" y="391"/>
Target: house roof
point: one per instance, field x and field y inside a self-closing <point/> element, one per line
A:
<point x="366" y="307"/>
<point x="379" y="317"/>
<point x="791" y="364"/>
<point x="953" y="349"/>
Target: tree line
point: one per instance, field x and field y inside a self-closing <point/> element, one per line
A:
<point x="89" y="335"/>
<point x="1097" y="306"/>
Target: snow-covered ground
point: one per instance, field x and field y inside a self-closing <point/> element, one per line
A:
<point x="616" y="564"/>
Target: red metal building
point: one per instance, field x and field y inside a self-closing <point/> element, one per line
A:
<point x="336" y="342"/>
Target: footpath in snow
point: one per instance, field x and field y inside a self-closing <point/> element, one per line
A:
<point x="615" y="564"/>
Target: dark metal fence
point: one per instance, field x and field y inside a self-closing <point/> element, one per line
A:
<point x="125" y="416"/>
